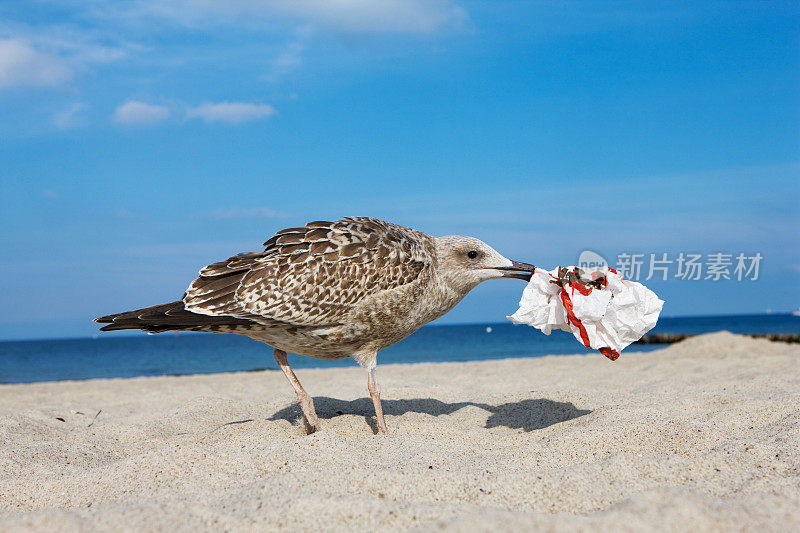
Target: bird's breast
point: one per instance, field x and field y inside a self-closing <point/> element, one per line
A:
<point x="395" y="314"/>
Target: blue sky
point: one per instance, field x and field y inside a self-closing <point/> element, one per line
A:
<point x="142" y="140"/>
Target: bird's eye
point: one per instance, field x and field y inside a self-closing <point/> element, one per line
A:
<point x="472" y="254"/>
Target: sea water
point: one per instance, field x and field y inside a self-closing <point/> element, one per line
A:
<point x="123" y="354"/>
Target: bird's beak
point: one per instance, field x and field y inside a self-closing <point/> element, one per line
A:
<point x="517" y="270"/>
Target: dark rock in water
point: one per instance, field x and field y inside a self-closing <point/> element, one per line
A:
<point x="669" y="338"/>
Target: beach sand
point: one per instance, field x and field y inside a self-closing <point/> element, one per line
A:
<point x="703" y="435"/>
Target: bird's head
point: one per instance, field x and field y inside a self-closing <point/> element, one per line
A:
<point x="467" y="261"/>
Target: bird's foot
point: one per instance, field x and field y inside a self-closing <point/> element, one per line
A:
<point x="310" y="419"/>
<point x="375" y="394"/>
<point x="310" y="428"/>
<point x="380" y="421"/>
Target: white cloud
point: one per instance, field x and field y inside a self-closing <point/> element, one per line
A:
<point x="70" y="117"/>
<point x="287" y="61"/>
<point x="347" y="16"/>
<point x="250" y="212"/>
<point x="23" y="65"/>
<point x="364" y="16"/>
<point x="135" y="112"/>
<point x="230" y="112"/>
<point x="290" y="55"/>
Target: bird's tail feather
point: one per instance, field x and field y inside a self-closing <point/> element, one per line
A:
<point x="167" y="317"/>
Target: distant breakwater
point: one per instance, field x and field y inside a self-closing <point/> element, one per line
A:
<point x="669" y="338"/>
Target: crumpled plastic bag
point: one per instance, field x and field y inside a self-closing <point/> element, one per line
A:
<point x="601" y="309"/>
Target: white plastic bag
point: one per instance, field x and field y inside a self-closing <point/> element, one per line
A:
<point x="603" y="310"/>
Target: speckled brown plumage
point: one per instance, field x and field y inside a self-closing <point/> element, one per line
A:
<point x="314" y="275"/>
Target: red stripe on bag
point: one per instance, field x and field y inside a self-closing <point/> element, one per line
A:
<point x="573" y="319"/>
<point x="583" y="289"/>
<point x="610" y="353"/>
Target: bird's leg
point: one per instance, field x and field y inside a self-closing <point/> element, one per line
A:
<point x="305" y="401"/>
<point x="375" y="393"/>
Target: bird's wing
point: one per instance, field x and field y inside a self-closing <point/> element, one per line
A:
<point x="313" y="275"/>
<point x="214" y="291"/>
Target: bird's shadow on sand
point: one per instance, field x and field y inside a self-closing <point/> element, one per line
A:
<point x="528" y="415"/>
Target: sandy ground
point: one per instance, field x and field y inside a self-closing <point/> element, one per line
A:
<point x="703" y="435"/>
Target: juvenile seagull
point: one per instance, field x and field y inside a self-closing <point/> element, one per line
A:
<point x="330" y="290"/>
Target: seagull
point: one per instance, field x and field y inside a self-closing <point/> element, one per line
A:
<point x="330" y="290"/>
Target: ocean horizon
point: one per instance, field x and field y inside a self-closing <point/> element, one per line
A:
<point x="173" y="353"/>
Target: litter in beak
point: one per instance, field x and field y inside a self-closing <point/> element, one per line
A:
<point x="518" y="270"/>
